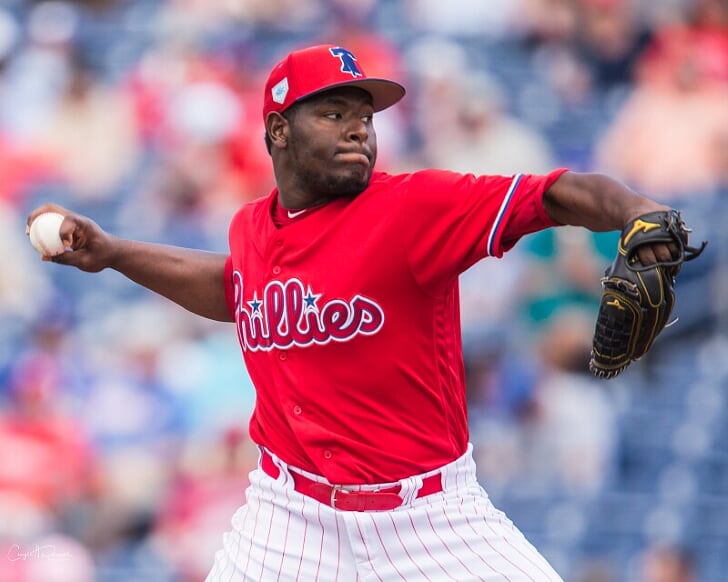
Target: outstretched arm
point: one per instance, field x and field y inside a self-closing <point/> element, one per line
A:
<point x="191" y="278"/>
<point x="601" y="203"/>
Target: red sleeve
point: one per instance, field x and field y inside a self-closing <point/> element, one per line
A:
<point x="453" y="220"/>
<point x="229" y="288"/>
<point x="524" y="214"/>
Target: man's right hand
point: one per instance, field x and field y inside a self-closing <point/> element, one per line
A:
<point x="92" y="248"/>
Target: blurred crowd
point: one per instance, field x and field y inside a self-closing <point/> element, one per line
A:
<point x="123" y="419"/>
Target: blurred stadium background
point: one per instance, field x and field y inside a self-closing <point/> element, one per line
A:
<point x="123" y="443"/>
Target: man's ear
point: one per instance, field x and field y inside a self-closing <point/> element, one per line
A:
<point x="277" y="127"/>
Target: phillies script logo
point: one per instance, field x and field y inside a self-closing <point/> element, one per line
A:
<point x="287" y="314"/>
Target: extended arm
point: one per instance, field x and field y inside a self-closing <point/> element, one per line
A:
<point x="191" y="278"/>
<point x="601" y="203"/>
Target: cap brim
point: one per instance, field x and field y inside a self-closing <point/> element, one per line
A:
<point x="384" y="93"/>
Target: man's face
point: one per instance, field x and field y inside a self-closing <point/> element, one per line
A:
<point x="332" y="145"/>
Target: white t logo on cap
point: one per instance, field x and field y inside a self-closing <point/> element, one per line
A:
<point x="280" y="90"/>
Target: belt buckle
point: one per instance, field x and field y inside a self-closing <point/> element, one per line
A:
<point x="334" y="489"/>
<point x="345" y="489"/>
<point x="375" y="500"/>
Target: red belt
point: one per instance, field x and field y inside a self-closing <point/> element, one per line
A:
<point x="344" y="499"/>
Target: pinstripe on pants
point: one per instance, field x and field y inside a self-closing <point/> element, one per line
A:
<point x="456" y="535"/>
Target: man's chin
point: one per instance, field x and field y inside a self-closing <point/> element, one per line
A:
<point x="351" y="186"/>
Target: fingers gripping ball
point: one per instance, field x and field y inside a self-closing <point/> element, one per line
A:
<point x="637" y="299"/>
<point x="45" y="234"/>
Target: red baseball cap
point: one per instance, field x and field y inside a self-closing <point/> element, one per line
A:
<point x="308" y="71"/>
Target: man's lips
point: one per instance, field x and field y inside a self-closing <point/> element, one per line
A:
<point x="353" y="158"/>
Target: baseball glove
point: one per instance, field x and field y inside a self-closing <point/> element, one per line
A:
<point x="637" y="299"/>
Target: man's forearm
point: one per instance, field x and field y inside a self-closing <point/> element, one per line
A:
<point x="193" y="279"/>
<point x="595" y="201"/>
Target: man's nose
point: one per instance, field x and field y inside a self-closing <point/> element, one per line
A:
<point x="357" y="130"/>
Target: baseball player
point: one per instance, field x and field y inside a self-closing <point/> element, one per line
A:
<point x="342" y="285"/>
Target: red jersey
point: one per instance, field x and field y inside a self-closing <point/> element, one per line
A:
<point x="349" y="317"/>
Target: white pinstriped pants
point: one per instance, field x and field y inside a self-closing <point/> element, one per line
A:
<point x="456" y="535"/>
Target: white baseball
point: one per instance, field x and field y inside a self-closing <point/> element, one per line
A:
<point x="45" y="234"/>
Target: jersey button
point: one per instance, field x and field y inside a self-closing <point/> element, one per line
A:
<point x="279" y="243"/>
<point x="297" y="410"/>
<point x="283" y="356"/>
<point x="276" y="270"/>
<point x="328" y="454"/>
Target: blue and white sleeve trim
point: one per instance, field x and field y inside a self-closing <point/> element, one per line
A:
<point x="498" y="222"/>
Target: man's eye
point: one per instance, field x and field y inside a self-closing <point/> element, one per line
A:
<point x="333" y="115"/>
<point x="368" y="118"/>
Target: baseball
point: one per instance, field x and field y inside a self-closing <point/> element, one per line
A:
<point x="45" y="234"/>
